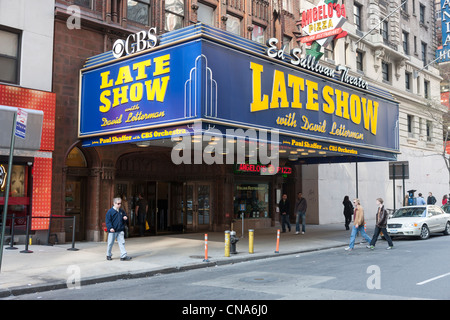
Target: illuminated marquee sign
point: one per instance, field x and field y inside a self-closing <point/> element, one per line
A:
<point x="200" y="80"/>
<point x="444" y="53"/>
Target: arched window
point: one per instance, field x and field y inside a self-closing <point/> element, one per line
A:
<point x="76" y="158"/>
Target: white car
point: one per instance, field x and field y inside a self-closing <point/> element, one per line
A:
<point x="418" y="221"/>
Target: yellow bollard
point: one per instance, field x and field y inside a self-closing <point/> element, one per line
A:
<point x="251" y="234"/>
<point x="227" y="243"/>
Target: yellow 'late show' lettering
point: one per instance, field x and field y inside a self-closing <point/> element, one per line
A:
<point x="328" y="99"/>
<point x="126" y="89"/>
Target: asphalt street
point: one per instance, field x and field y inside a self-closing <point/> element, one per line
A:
<point x="414" y="269"/>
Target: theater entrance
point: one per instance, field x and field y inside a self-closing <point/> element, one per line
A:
<point x="198" y="206"/>
<point x="164" y="201"/>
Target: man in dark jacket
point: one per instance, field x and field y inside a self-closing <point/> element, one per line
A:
<point x="115" y="224"/>
<point x="382" y="217"/>
<point x="284" y="212"/>
<point x="300" y="211"/>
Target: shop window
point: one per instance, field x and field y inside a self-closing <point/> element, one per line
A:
<point x="139" y="11"/>
<point x="174" y="14"/>
<point x="19" y="201"/>
<point x="76" y="158"/>
<point x="251" y="200"/>
<point x="9" y="56"/>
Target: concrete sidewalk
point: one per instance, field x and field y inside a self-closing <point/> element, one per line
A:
<point x="52" y="267"/>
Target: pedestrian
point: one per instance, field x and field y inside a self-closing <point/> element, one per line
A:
<point x="300" y="209"/>
<point x="444" y="199"/>
<point x="380" y="225"/>
<point x="431" y="199"/>
<point x="284" y="211"/>
<point x="420" y="200"/>
<point x="115" y="224"/>
<point x="358" y="225"/>
<point x="141" y="211"/>
<point x="348" y="211"/>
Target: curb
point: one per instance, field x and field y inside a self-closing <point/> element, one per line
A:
<point x="22" y="290"/>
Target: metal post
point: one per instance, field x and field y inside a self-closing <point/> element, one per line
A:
<point x="73" y="236"/>
<point x="8" y="182"/>
<point x="11" y="243"/>
<point x="48" y="233"/>
<point x="27" y="237"/>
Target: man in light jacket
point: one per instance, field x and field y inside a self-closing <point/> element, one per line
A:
<point x="358" y="225"/>
<point x="381" y="226"/>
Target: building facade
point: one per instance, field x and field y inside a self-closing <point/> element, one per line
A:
<point x="26" y="59"/>
<point x="203" y="197"/>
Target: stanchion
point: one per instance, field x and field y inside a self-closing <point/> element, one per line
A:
<point x="227" y="243"/>
<point x="278" y="242"/>
<point x="11" y="243"/>
<point x="73" y="236"/>
<point x="251" y="234"/>
<point x="27" y="237"/>
<point x="206" y="248"/>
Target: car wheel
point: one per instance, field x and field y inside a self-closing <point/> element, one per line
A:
<point x="447" y="228"/>
<point x="424" y="232"/>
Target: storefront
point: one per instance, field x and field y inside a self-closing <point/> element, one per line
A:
<point x="212" y="127"/>
<point x="31" y="175"/>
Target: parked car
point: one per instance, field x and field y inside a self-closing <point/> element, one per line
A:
<point x="418" y="221"/>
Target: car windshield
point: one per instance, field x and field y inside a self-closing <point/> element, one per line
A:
<point x="410" y="212"/>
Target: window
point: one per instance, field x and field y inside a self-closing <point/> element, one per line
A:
<point x="429" y="130"/>
<point x="329" y="50"/>
<point x="9" y="56"/>
<point x="205" y="14"/>
<point x="251" y="199"/>
<point x="234" y="24"/>
<point x="424" y="53"/>
<point x="426" y="89"/>
<point x="422" y="13"/>
<point x="415" y="44"/>
<point x="357" y="16"/>
<point x="359" y="60"/>
<point x="407" y="80"/>
<point x="385" y="71"/>
<point x="84" y="3"/>
<point x="410" y="120"/>
<point x="287" y="43"/>
<point x="258" y="34"/>
<point x="287" y="5"/>
<point x="404" y="5"/>
<point x="385" y="30"/>
<point x="139" y="11"/>
<point x="405" y="40"/>
<point x="174" y="14"/>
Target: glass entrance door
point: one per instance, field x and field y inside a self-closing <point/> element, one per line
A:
<point x="198" y="206"/>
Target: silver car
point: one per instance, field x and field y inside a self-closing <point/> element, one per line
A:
<point x="418" y="221"/>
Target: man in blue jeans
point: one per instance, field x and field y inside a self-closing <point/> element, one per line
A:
<point x="300" y="210"/>
<point x="358" y="225"/>
<point x="115" y="224"/>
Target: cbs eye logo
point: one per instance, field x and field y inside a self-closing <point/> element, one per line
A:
<point x="135" y="42"/>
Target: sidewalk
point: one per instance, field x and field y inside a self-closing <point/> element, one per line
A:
<point x="50" y="267"/>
